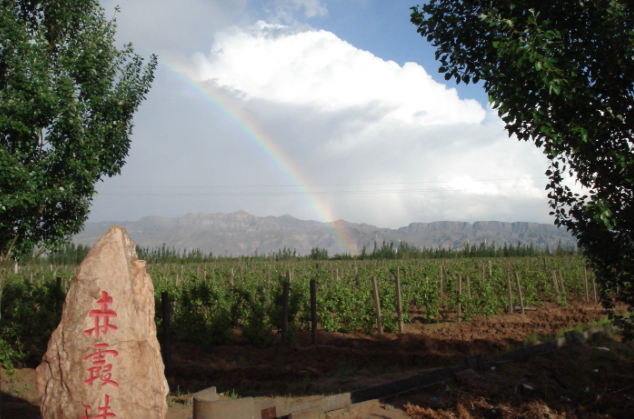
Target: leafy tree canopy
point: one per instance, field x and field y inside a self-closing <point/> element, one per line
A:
<point x="67" y="96"/>
<point x="561" y="74"/>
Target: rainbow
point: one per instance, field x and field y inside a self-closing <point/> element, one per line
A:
<point x="273" y="152"/>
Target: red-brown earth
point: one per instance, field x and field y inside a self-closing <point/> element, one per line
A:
<point x="343" y="362"/>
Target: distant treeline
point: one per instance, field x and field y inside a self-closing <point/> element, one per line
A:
<point x="73" y="255"/>
<point x="67" y="255"/>
<point x="404" y="250"/>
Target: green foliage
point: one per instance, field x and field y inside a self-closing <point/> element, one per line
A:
<point x="163" y="254"/>
<point x="318" y="254"/>
<point x="284" y="254"/>
<point x="67" y="97"/>
<point x="203" y="311"/>
<point x="296" y="299"/>
<point x="561" y="74"/>
<point x="253" y="310"/>
<point x="69" y="254"/>
<point x="30" y="313"/>
<point x="8" y="355"/>
<point x="388" y="250"/>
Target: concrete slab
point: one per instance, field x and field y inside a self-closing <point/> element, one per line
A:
<point x="225" y="409"/>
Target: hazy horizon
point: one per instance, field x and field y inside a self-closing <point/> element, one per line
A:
<point x="309" y="219"/>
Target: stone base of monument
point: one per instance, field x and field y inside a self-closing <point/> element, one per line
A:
<point x="208" y="406"/>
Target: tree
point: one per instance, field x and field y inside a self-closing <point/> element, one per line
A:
<point x="318" y="254"/>
<point x="561" y="74"/>
<point x="67" y="96"/>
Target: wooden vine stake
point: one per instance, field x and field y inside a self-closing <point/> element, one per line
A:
<point x="509" y="292"/>
<point x="231" y="278"/>
<point x="442" y="293"/>
<point x="561" y="280"/>
<point x="594" y="288"/>
<point x="458" y="304"/>
<point x="556" y="285"/>
<point x="399" y="304"/>
<point x="585" y="283"/>
<point x="165" y="344"/>
<point x="519" y="292"/>
<point x="466" y="278"/>
<point x="377" y="304"/>
<point x="313" y="311"/>
<point x="285" y="295"/>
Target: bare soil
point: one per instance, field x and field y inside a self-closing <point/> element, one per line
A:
<point x="592" y="380"/>
<point x="344" y="362"/>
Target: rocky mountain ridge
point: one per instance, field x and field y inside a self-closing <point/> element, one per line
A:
<point x="240" y="233"/>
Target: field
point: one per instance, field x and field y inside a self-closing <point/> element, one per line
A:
<point x="242" y="301"/>
<point x="226" y="317"/>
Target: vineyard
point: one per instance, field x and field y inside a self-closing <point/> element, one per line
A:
<point x="222" y="301"/>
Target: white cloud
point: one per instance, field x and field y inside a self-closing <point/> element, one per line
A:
<point x="315" y="68"/>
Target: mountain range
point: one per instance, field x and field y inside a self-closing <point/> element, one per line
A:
<point x="240" y="233"/>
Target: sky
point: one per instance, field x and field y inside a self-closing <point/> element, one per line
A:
<point x="319" y="109"/>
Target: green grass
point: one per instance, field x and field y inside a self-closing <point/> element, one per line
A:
<point x="231" y="394"/>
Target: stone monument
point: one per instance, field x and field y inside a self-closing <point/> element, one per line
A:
<point x="103" y="361"/>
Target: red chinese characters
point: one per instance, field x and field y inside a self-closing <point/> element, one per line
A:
<point x="104" y="411"/>
<point x="86" y="412"/>
<point x="100" y="370"/>
<point x="105" y="313"/>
